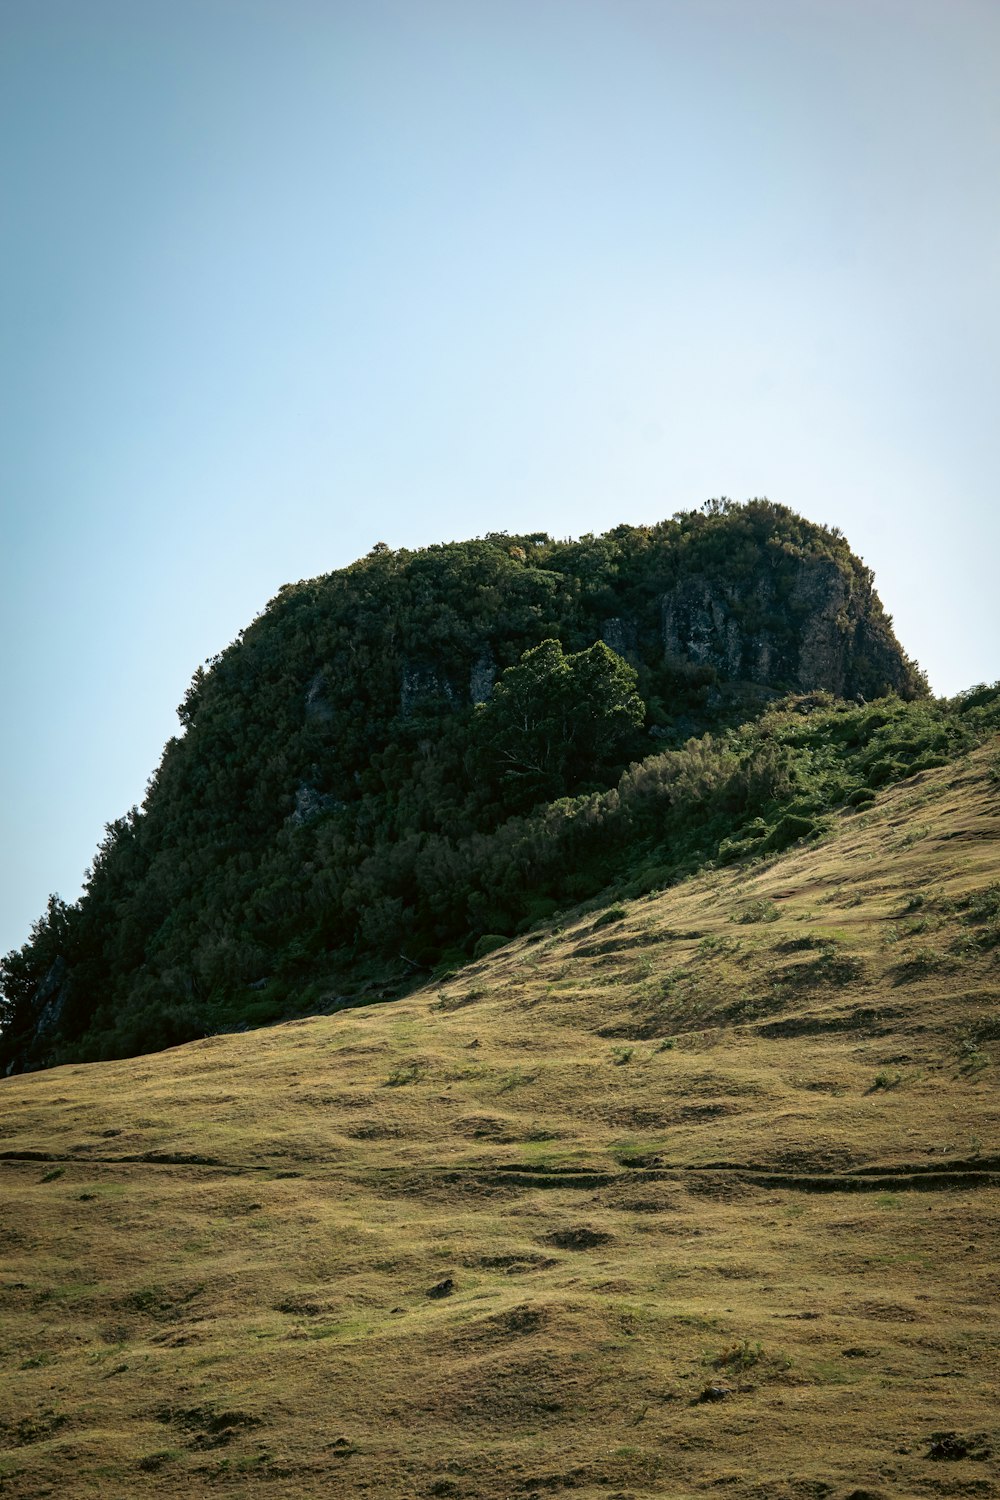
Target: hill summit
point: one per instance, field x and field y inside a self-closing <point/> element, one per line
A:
<point x="399" y="765"/>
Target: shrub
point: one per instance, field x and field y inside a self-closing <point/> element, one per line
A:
<point x="983" y="911"/>
<point x="760" y="910"/>
<point x="790" y="830"/>
<point x="410" y="1072"/>
<point x="613" y="914"/>
<point x="927" y="763"/>
<point x="489" y="943"/>
<point x="739" y="1356"/>
<point x="885" y="1080"/>
<point x="881" y="772"/>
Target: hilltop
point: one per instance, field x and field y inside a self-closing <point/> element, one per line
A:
<point x="696" y="1191"/>
<point x="403" y="763"/>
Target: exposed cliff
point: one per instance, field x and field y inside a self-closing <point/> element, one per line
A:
<point x="839" y="640"/>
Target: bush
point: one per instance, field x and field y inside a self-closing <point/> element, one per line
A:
<point x="927" y="763"/>
<point x="740" y="1356"/>
<point x="613" y="914"/>
<point x="790" y="830"/>
<point x="983" y="911"/>
<point x="489" y="943"/>
<point x="881" y="772"/>
<point x="884" y="1080"/>
<point x="757" y="911"/>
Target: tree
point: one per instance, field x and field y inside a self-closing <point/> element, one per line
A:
<point x="555" y="721"/>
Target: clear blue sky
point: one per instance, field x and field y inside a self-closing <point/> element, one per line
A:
<point x="282" y="278"/>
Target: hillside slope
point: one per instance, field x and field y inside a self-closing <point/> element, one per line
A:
<point x="699" y="1191"/>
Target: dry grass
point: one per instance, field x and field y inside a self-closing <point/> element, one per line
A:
<point x="702" y="1196"/>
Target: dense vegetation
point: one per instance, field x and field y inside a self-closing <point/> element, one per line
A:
<point x="399" y="764"/>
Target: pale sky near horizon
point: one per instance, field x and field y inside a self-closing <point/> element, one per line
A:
<point x="283" y="278"/>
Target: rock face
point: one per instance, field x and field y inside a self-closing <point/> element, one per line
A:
<point x="422" y="685"/>
<point x="740" y="629"/>
<point x="699" y="627"/>
<point x="482" y="676"/>
<point x="622" y="634"/>
<point x="318" y="706"/>
<point x="309" y="804"/>
<point x="48" y="1004"/>
<point x="52" y="995"/>
<point x="428" y="685"/>
<point x="828" y="626"/>
<point x="806" y="624"/>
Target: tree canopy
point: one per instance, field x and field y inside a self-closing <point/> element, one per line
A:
<point x="556" y="720"/>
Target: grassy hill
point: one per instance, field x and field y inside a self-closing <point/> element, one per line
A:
<point x="698" y="1193"/>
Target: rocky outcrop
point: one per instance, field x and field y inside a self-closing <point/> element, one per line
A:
<point x="810" y="624"/>
<point x="51" y="998"/>
<point x="820" y="596"/>
<point x="318" y="706"/>
<point x="40" y="1027"/>
<point x="310" y="803"/>
<point x="801" y="623"/>
<point x="622" y="634"/>
<point x="426" y="685"/>
<point x="423" y="685"/>
<point x="699" y="627"/>
<point x="483" y="676"/>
